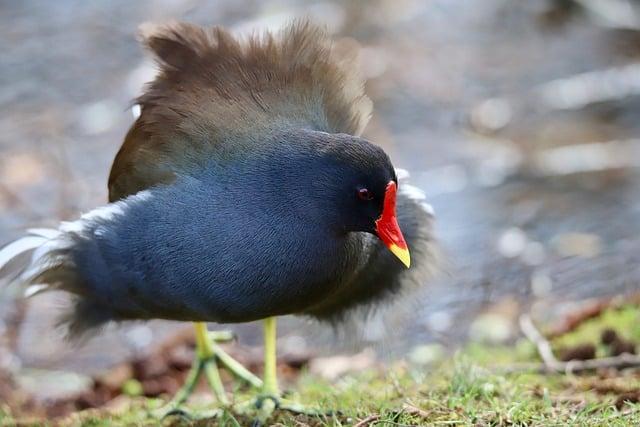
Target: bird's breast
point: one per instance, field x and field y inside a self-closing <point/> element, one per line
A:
<point x="279" y="282"/>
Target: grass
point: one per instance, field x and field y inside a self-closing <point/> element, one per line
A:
<point x="457" y="393"/>
<point x="463" y="390"/>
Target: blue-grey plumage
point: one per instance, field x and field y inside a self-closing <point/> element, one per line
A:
<point x="272" y="234"/>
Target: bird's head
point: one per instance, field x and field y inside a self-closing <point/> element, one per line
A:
<point x="352" y="185"/>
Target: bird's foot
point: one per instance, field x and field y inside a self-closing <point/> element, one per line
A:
<point x="200" y="366"/>
<point x="188" y="415"/>
<point x="209" y="367"/>
<point x="265" y="405"/>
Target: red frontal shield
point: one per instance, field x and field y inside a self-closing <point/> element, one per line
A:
<point x="388" y="229"/>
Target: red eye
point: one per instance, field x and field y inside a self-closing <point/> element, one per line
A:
<point x="365" y="194"/>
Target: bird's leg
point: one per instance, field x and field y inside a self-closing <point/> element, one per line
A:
<point x="270" y="384"/>
<point x="270" y="398"/>
<point x="234" y="366"/>
<point x="208" y="355"/>
<point x="204" y="363"/>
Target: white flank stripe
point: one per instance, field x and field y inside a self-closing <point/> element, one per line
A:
<point x="106" y="213"/>
<point x="49" y="233"/>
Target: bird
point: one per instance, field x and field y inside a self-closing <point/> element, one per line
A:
<point x="243" y="191"/>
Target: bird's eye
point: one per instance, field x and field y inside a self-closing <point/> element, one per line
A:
<point x="365" y="194"/>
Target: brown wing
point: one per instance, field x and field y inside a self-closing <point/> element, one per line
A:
<point x="136" y="166"/>
<point x="215" y="94"/>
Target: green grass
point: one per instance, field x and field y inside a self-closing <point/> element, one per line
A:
<point x="467" y="389"/>
<point x="459" y="393"/>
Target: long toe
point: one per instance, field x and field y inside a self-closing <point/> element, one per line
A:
<point x="188" y="415"/>
<point x="235" y="367"/>
<point x="263" y="407"/>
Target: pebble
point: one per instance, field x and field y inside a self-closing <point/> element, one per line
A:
<point x="52" y="385"/>
<point x="426" y="354"/>
<point x="491" y="328"/>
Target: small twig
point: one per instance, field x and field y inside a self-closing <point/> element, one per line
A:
<point x="623" y="361"/>
<point x="413" y="410"/>
<point x="618" y="362"/>
<point x="543" y="346"/>
<point x="368" y="421"/>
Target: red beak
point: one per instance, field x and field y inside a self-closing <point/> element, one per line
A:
<point x="388" y="229"/>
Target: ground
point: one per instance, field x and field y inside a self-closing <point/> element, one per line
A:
<point x="478" y="385"/>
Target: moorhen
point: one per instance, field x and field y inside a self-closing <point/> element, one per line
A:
<point x="241" y="192"/>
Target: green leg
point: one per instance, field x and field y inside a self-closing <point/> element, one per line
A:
<point x="271" y="398"/>
<point x="190" y="383"/>
<point x="208" y="355"/>
<point x="234" y="367"/>
<point x="270" y="384"/>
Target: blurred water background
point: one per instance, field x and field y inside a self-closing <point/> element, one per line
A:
<point x="518" y="119"/>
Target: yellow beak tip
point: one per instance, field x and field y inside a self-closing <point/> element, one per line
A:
<point x="402" y="254"/>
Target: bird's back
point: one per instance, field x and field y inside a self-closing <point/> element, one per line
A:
<point x="215" y="95"/>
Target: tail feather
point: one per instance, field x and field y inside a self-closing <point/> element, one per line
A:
<point x="70" y="259"/>
<point x="84" y="319"/>
<point x="40" y="244"/>
<point x="33" y="290"/>
<point x="40" y="262"/>
<point x="19" y="247"/>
